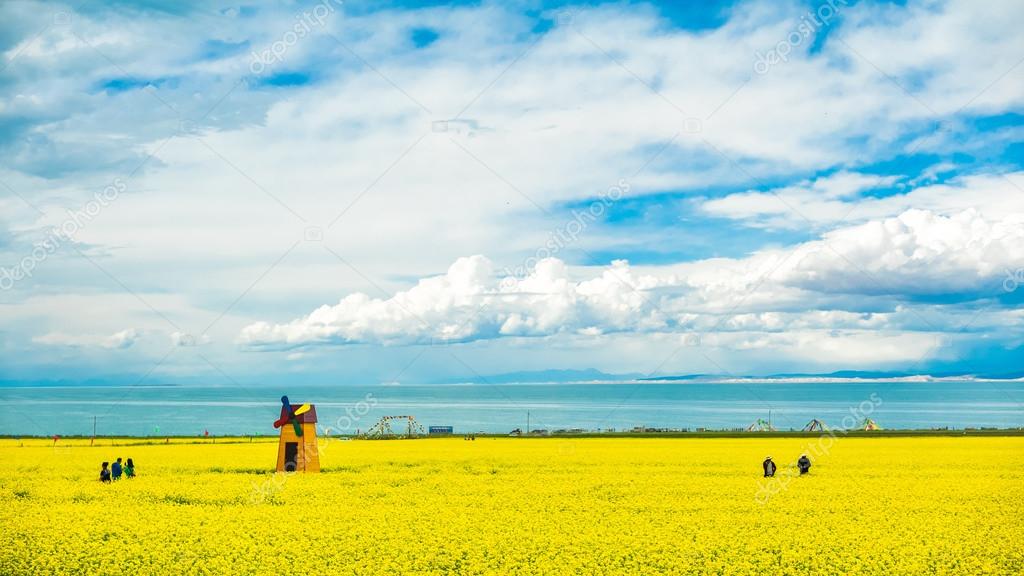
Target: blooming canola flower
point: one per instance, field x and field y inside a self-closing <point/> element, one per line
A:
<point x="523" y="506"/>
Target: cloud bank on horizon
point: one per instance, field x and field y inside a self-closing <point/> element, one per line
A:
<point x="339" y="191"/>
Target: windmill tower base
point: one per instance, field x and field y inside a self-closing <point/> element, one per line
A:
<point x="299" y="453"/>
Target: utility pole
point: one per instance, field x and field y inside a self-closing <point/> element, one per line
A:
<point x="527" y="422"/>
<point x="94" y="426"/>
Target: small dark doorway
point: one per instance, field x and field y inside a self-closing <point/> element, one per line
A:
<point x="291" y="453"/>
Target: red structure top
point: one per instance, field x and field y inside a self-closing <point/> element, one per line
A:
<point x="307" y="417"/>
<point x="304" y="414"/>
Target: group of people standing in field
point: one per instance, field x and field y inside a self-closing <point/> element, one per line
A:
<point x="803" y="464"/>
<point x="111" y="472"/>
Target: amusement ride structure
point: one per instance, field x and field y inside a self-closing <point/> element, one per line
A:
<point x="383" y="428"/>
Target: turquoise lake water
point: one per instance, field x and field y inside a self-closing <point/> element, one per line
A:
<point x="188" y="410"/>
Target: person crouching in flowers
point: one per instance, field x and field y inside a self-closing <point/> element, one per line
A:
<point x="769" y="467"/>
<point x="129" y="469"/>
<point x="105" y="472"/>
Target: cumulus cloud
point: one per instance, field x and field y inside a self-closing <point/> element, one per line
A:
<point x="538" y="115"/>
<point x="470" y="303"/>
<point x="917" y="253"/>
<point x="185" y="340"/>
<point x="117" y="341"/>
<point x="122" y="339"/>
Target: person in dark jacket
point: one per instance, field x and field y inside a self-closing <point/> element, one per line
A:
<point x="769" y="467"/>
<point x="115" y="470"/>
<point x="804" y="464"/>
<point x="105" y="472"/>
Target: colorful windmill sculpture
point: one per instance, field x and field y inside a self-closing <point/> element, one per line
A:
<point x="289" y="414"/>
<point x="297" y="449"/>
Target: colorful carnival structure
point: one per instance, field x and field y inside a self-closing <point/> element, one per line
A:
<point x="383" y="428"/>
<point x="816" y="425"/>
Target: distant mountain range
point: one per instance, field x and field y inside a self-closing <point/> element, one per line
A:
<point x="594" y="375"/>
<point x="80" y="383"/>
<point x="540" y="376"/>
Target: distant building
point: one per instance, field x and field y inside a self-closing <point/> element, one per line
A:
<point x="440" y="430"/>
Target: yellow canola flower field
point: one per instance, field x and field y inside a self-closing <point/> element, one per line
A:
<point x="507" y="506"/>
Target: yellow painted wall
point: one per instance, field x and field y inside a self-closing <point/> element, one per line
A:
<point x="308" y="459"/>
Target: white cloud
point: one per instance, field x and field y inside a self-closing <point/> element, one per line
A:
<point x="816" y="202"/>
<point x="201" y="222"/>
<point x="186" y="340"/>
<point x="837" y="199"/>
<point x="837" y="347"/>
<point x="469" y="302"/>
<point x="917" y="253"/>
<point x="116" y="341"/>
<point x="122" y="339"/>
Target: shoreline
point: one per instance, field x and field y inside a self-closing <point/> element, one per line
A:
<point x="235" y="438"/>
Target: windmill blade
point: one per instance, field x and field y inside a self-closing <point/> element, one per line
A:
<point x="302" y="409"/>
<point x="286" y="412"/>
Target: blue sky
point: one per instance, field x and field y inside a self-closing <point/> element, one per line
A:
<point x="375" y="192"/>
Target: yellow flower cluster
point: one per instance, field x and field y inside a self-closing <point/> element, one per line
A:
<point x="517" y="507"/>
